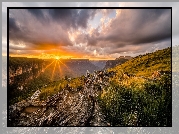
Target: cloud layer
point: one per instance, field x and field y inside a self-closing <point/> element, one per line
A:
<point x="101" y="33"/>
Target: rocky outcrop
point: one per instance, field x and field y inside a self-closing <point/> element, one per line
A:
<point x="66" y="108"/>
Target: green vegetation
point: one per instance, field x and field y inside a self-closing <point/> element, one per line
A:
<point x="33" y="85"/>
<point x="145" y="65"/>
<point x="138" y="101"/>
<point x="52" y="87"/>
<point x="126" y="101"/>
<point x="73" y="85"/>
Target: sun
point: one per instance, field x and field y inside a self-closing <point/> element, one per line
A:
<point x="57" y="57"/>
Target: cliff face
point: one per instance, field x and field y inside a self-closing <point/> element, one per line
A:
<point x="78" y="67"/>
<point x="90" y="103"/>
<point x="68" y="107"/>
<point x="117" y="61"/>
<point x="99" y="63"/>
<point x="25" y="69"/>
<point x="28" y="74"/>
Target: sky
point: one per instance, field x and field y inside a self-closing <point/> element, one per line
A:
<point x="86" y="33"/>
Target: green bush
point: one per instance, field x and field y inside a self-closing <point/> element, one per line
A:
<point x="151" y="106"/>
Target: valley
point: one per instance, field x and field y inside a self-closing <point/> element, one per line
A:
<point x="127" y="94"/>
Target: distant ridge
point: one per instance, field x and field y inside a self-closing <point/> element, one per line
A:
<point x="117" y="61"/>
<point x="146" y="64"/>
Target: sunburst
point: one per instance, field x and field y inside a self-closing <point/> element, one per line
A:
<point x="57" y="57"/>
<point x="56" y="64"/>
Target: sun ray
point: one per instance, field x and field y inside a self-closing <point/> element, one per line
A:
<point x="66" y="67"/>
<point x="57" y="63"/>
<point x="59" y="69"/>
<point x="43" y="70"/>
<point x="48" y="66"/>
<point x="53" y="70"/>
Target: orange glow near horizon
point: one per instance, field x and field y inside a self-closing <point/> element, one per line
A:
<point x="58" y="54"/>
<point x="57" y="57"/>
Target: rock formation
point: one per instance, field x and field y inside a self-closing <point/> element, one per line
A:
<point x="66" y="108"/>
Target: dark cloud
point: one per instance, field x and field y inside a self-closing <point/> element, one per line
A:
<point x="37" y="13"/>
<point x="137" y="28"/>
<point x="36" y="35"/>
<point x="84" y="15"/>
<point x="72" y="17"/>
<point x="65" y="17"/>
<point x="13" y="25"/>
<point x="29" y="27"/>
<point x="152" y="38"/>
<point x="92" y="41"/>
<point x="81" y="38"/>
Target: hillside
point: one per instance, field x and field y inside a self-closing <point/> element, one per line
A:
<point x="117" y="61"/>
<point x="26" y="75"/>
<point x="104" y="98"/>
<point x="145" y="65"/>
<point x="135" y="98"/>
<point x="113" y="63"/>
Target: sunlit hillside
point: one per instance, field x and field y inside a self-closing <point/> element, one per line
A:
<point x="130" y="95"/>
<point x="145" y="65"/>
<point x="135" y="98"/>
